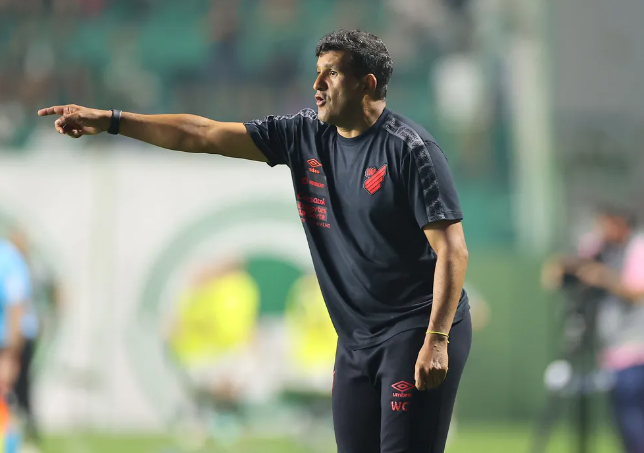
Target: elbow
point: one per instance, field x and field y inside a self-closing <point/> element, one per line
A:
<point x="456" y="252"/>
<point x="199" y="135"/>
<point x="208" y="133"/>
<point x="460" y="248"/>
<point x="463" y="253"/>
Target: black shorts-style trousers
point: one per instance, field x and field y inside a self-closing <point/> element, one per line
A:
<point x="376" y="407"/>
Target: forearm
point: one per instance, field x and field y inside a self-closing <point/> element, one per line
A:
<point x="619" y="289"/>
<point x="180" y="132"/>
<point x="14" y="340"/>
<point x="14" y="333"/>
<point x="449" y="278"/>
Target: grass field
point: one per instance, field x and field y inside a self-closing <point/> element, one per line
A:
<point x="471" y="439"/>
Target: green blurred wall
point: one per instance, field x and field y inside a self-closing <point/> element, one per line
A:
<point x="503" y="378"/>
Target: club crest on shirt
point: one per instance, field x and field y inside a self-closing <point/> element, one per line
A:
<point x="374" y="177"/>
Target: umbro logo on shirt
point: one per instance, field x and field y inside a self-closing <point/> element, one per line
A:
<point x="313" y="164"/>
<point x="374" y="178"/>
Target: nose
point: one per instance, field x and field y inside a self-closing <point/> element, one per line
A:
<point x="319" y="84"/>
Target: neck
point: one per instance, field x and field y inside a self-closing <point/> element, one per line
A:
<point x="366" y="117"/>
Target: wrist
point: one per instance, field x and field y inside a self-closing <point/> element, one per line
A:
<point x="436" y="337"/>
<point x="105" y="117"/>
<point x="115" y="122"/>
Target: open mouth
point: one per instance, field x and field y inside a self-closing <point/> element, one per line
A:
<point x="319" y="100"/>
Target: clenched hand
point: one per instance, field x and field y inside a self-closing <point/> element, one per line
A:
<point x="432" y="363"/>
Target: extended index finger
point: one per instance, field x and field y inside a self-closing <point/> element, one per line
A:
<point x="55" y="110"/>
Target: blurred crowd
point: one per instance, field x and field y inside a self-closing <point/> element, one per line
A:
<point x="233" y="59"/>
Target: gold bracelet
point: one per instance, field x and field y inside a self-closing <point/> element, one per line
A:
<point x="440" y="333"/>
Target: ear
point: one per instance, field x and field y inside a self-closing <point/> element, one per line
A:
<point x="370" y="83"/>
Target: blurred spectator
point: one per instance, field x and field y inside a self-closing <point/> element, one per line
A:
<point x="611" y="259"/>
<point x="43" y="303"/>
<point x="311" y="337"/>
<point x="15" y="295"/>
<point x="215" y="323"/>
<point x="210" y="339"/>
<point x="47" y="294"/>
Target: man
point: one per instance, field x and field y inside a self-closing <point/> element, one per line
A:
<point x="44" y="292"/>
<point x="611" y="260"/>
<point x="382" y="218"/>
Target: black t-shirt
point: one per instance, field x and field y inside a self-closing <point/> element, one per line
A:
<point x="363" y="203"/>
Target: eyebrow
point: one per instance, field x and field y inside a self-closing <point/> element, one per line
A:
<point x="326" y="66"/>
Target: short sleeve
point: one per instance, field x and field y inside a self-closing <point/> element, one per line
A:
<point x="15" y="281"/>
<point x="276" y="135"/>
<point x="633" y="271"/>
<point x="429" y="184"/>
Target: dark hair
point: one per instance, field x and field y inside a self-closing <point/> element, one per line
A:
<point x="618" y="211"/>
<point x="369" y="55"/>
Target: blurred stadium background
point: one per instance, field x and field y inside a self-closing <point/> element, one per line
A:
<point x="189" y="317"/>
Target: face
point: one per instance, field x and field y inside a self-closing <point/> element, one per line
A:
<point x="20" y="241"/>
<point x="338" y="92"/>
<point x="614" y="229"/>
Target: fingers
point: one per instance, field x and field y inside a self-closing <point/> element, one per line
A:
<point x="69" y="124"/>
<point x="70" y="119"/>
<point x="436" y="378"/>
<point x="67" y="129"/>
<point x="429" y="379"/>
<point x="433" y="380"/>
<point x="75" y="133"/>
<point x="419" y="377"/>
<point x="49" y="111"/>
<point x="55" y="110"/>
<point x="60" y="125"/>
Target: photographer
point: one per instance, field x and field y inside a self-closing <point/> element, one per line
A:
<point x="611" y="260"/>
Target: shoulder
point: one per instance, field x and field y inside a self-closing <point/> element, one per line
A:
<point x="8" y="252"/>
<point x="11" y="261"/>
<point x="418" y="143"/>
<point x="411" y="134"/>
<point x="305" y="117"/>
<point x="636" y="246"/>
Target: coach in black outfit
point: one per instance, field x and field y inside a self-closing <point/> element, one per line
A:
<point x="383" y="222"/>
